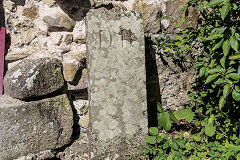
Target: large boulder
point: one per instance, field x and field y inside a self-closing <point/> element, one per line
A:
<point x="33" y="78"/>
<point x="32" y="127"/>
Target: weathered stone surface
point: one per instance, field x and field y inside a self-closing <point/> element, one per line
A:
<point x="81" y="106"/>
<point x="82" y="83"/>
<point x="31" y="12"/>
<point x="84" y="121"/>
<point x="151" y="13"/>
<point x="117" y="90"/>
<point x="31" y="127"/>
<point x="175" y="13"/>
<point x="77" y="151"/>
<point x="48" y="154"/>
<point x="69" y="71"/>
<point x="79" y="32"/>
<point x="32" y="78"/>
<point x="60" y="22"/>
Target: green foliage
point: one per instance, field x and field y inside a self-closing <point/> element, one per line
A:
<point x="210" y="129"/>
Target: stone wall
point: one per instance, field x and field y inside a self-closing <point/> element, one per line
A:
<point x="56" y="29"/>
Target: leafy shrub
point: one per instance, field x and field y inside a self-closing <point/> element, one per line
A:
<point x="210" y="129"/>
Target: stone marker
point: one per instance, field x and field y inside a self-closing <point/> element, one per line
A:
<point x="31" y="127"/>
<point x="117" y="87"/>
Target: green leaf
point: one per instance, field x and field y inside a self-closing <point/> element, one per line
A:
<point x="238" y="71"/>
<point x="219" y="44"/>
<point x="226" y="90"/>
<point x="234" y="43"/>
<point x="172" y="117"/>
<point x="236" y="95"/>
<point x="238" y="156"/>
<point x="174" y="146"/>
<point x="219" y="136"/>
<point x="164" y="121"/>
<point x="211" y="119"/>
<point x="214" y="36"/>
<point x="212" y="63"/>
<point x="234" y="57"/>
<point x="235" y="7"/>
<point x="179" y="38"/>
<point x="210" y="130"/>
<point x="222" y="102"/>
<point x="226" y="47"/>
<point x="214" y="70"/>
<point x="225" y="10"/>
<point x="237" y="88"/>
<point x="233" y="76"/>
<point x="189" y="115"/>
<point x="153" y="131"/>
<point x="230" y="70"/>
<point x="219" y="81"/>
<point x="210" y="78"/>
<point x="222" y="61"/>
<point x="202" y="71"/>
<point x="160" y="137"/>
<point x="197" y="65"/>
<point x="200" y="7"/>
<point x="159" y="107"/>
<point x="237" y="35"/>
<point x="151" y="139"/>
<point x="214" y="3"/>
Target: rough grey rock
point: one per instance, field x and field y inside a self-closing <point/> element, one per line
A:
<point x="60" y="22"/>
<point x="32" y="78"/>
<point x="32" y="127"/>
<point x="117" y="87"/>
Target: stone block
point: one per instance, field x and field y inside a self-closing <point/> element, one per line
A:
<point x="117" y="83"/>
<point x="34" y="78"/>
<point x="32" y="127"/>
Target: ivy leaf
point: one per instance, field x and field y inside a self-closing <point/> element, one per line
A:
<point x="225" y="10"/>
<point x="210" y="78"/>
<point x="219" y="44"/>
<point x="214" y="36"/>
<point x="226" y="47"/>
<point x="234" y="43"/>
<point x="226" y="90"/>
<point x="210" y="130"/>
<point x="222" y="102"/>
<point x="151" y="139"/>
<point x="236" y="95"/>
<point x="153" y="131"/>
<point x="214" y="3"/>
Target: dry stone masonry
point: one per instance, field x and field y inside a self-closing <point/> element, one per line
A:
<point x="31" y="127"/>
<point x="46" y="81"/>
<point x="117" y="89"/>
